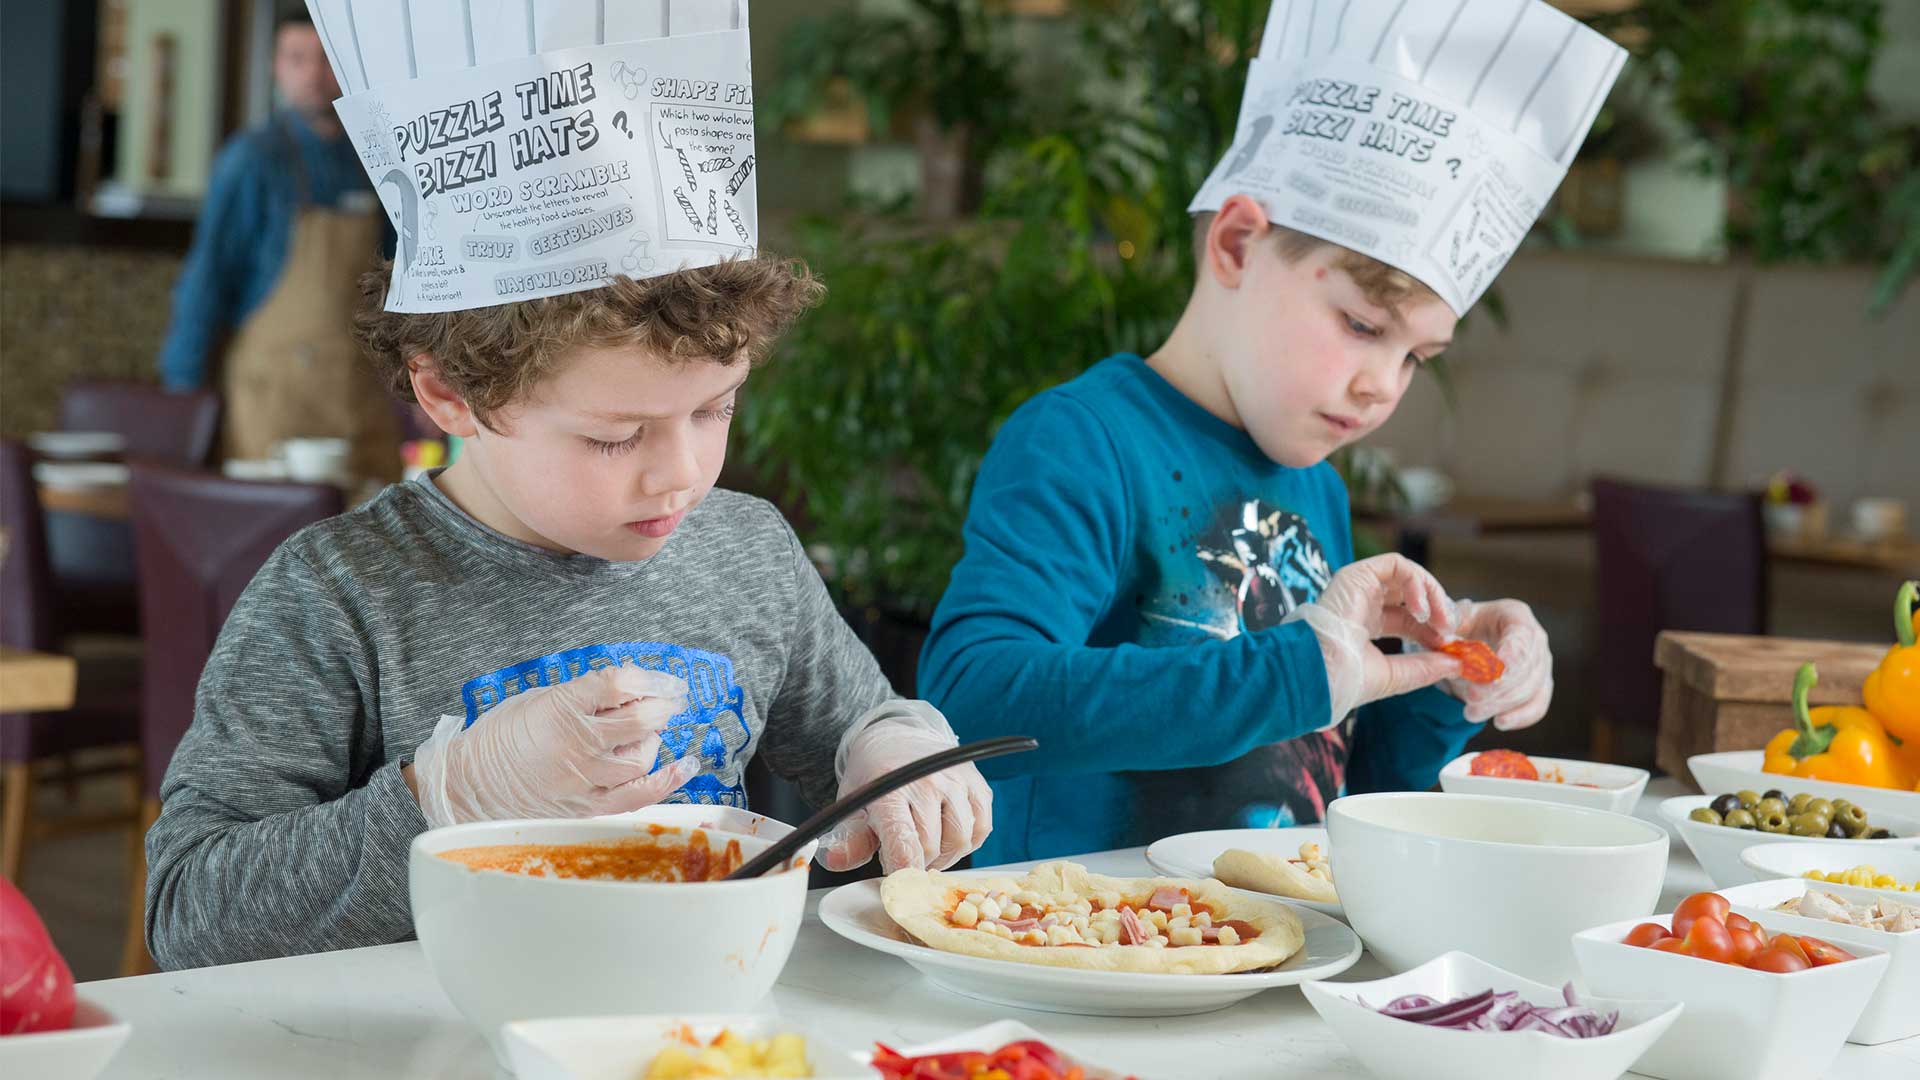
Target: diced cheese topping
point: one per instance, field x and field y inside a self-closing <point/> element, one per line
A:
<point x="1229" y="936"/>
<point x="966" y="914"/>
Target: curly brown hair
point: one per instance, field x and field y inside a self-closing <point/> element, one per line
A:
<point x="494" y="356"/>
<point x="1385" y="285"/>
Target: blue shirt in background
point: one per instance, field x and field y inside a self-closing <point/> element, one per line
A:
<point x="246" y="223"/>
<point x="1129" y="559"/>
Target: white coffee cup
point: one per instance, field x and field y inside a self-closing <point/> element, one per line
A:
<point x="1879" y="518"/>
<point x="317" y="461"/>
<point x="1425" y="488"/>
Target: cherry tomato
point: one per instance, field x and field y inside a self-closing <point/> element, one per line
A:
<point x="1696" y="906"/>
<point x="1821" y="953"/>
<point x="1777" y="960"/>
<point x="1745" y="944"/>
<point x="1741" y="922"/>
<point x="1709" y="939"/>
<point x="1672" y="945"/>
<point x="1789" y="943"/>
<point x="1646" y="934"/>
<point x="1511" y="764"/>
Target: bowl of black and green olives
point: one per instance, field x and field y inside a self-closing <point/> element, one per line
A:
<point x="1717" y="828"/>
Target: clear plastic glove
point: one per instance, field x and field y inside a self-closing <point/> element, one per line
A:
<point x="931" y="823"/>
<point x="1519" y="697"/>
<point x="1385" y="596"/>
<point x="581" y="748"/>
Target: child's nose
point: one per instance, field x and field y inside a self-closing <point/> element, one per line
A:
<point x="675" y="466"/>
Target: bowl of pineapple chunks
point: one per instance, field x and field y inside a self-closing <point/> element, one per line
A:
<point x="672" y="1048"/>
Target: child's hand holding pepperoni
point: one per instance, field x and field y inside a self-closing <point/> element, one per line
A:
<point x="1519" y="695"/>
<point x="1385" y="596"/>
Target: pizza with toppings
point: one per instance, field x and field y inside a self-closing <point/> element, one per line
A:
<point x="1308" y="877"/>
<point x="1061" y="915"/>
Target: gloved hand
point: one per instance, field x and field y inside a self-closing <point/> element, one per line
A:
<point x="1385" y="596"/>
<point x="929" y="824"/>
<point x="579" y="749"/>
<point x="1519" y="697"/>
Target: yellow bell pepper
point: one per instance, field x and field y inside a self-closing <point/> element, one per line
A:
<point x="1839" y="743"/>
<point x="1892" y="691"/>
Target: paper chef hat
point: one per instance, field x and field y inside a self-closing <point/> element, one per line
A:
<point x="1427" y="135"/>
<point x="527" y="148"/>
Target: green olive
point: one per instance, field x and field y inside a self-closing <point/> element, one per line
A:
<point x="1705" y="814"/>
<point x="1861" y="832"/>
<point x="1738" y="819"/>
<point x="1820" y="806"/>
<point x="1749" y="799"/>
<point x="1774" y="822"/>
<point x="1810" y="825"/>
<point x="1798" y="804"/>
<point x="1853" y="817"/>
<point x="1840" y="804"/>
<point x="1770" y="806"/>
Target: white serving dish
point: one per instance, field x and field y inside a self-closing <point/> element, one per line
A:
<point x="1191" y="855"/>
<point x="1894" y="1011"/>
<point x="1739" y="1024"/>
<point x="1718" y="848"/>
<point x="727" y="819"/>
<point x="81" y="475"/>
<point x="1401" y="1050"/>
<point x="1507" y="880"/>
<point x="1616" y="787"/>
<point x="598" y="948"/>
<point x="80" y="1052"/>
<point x="77" y="445"/>
<point x="1769" y="861"/>
<point x="990" y="1037"/>
<point x="1738" y="770"/>
<point x="622" y="1047"/>
<point x="855" y="913"/>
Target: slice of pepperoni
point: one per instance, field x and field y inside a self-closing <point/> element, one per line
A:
<point x="1478" y="664"/>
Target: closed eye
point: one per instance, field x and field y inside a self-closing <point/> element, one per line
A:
<point x="1361" y="327"/>
<point x="614" y="449"/>
<point x="725" y="413"/>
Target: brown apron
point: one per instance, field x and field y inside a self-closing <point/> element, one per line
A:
<point x="293" y="369"/>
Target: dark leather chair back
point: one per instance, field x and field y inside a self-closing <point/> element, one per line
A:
<point x="1668" y="559"/>
<point x="160" y="425"/>
<point x="200" y="537"/>
<point x="26" y="576"/>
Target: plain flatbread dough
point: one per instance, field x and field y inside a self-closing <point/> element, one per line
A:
<point x="920" y="901"/>
<point x="1269" y="873"/>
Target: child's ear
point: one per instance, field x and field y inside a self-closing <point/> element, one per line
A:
<point x="438" y="399"/>
<point x="1237" y="227"/>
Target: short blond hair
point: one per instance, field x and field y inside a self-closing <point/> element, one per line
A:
<point x="491" y="357"/>
<point x="1385" y="285"/>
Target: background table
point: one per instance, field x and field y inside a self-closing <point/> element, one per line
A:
<point x="376" y="1013"/>
<point x="35" y="681"/>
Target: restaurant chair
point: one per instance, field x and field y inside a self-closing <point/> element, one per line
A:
<point x="106" y="713"/>
<point x="200" y="537"/>
<point x="1667" y="559"/>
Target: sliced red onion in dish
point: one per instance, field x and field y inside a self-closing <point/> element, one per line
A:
<point x="1505" y="1011"/>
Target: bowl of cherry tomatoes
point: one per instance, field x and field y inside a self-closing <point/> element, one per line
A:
<point x="1764" y="1001"/>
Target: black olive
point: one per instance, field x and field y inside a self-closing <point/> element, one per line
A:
<point x="1726" y="804"/>
<point x="1879" y="834"/>
<point x="1837" y="830"/>
<point x="1775" y="793"/>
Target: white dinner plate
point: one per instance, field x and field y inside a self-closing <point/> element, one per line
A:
<point x="1191" y="855"/>
<point x="855" y="913"/>
<point x="76" y="444"/>
<point x="80" y="475"/>
<point x="1738" y="770"/>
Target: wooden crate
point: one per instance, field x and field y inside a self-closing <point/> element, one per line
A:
<point x="1732" y="692"/>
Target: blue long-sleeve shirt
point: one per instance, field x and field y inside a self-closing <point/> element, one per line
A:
<point x="246" y="223"/>
<point x="1129" y="559"/>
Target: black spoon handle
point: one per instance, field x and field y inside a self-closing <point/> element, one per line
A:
<point x="855" y="801"/>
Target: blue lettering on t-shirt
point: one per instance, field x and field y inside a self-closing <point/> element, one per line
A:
<point x="713" y="725"/>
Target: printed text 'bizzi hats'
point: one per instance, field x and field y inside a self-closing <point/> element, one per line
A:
<point x="1427" y="134"/>
<point x="528" y="148"/>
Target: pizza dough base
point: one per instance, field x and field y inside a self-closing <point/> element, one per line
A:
<point x="1269" y="873"/>
<point x="919" y="901"/>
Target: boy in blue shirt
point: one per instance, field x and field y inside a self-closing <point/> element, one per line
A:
<point x="1158" y="581"/>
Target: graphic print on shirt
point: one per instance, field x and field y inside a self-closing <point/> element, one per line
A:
<point x="1239" y="569"/>
<point x="712" y="725"/>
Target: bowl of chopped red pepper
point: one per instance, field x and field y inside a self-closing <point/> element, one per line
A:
<point x="1004" y="1050"/>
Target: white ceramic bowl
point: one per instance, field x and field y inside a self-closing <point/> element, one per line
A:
<point x="1740" y="1024"/>
<point x="1401" y="1050"/>
<point x="1507" y="880"/>
<point x="727" y="819"/>
<point x="1615" y="787"/>
<point x="1768" y="861"/>
<point x="78" y="1053"/>
<point x="1894" y="1011"/>
<point x="508" y="946"/>
<point x="622" y="1047"/>
<point x="1718" y="848"/>
<point x="1738" y="770"/>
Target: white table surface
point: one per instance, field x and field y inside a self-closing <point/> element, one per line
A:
<point x="378" y="1013"/>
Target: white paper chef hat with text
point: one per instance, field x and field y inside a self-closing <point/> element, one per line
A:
<point x="528" y="148"/>
<point x="1428" y="135"/>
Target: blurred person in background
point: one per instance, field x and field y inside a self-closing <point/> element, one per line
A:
<point x="263" y="307"/>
